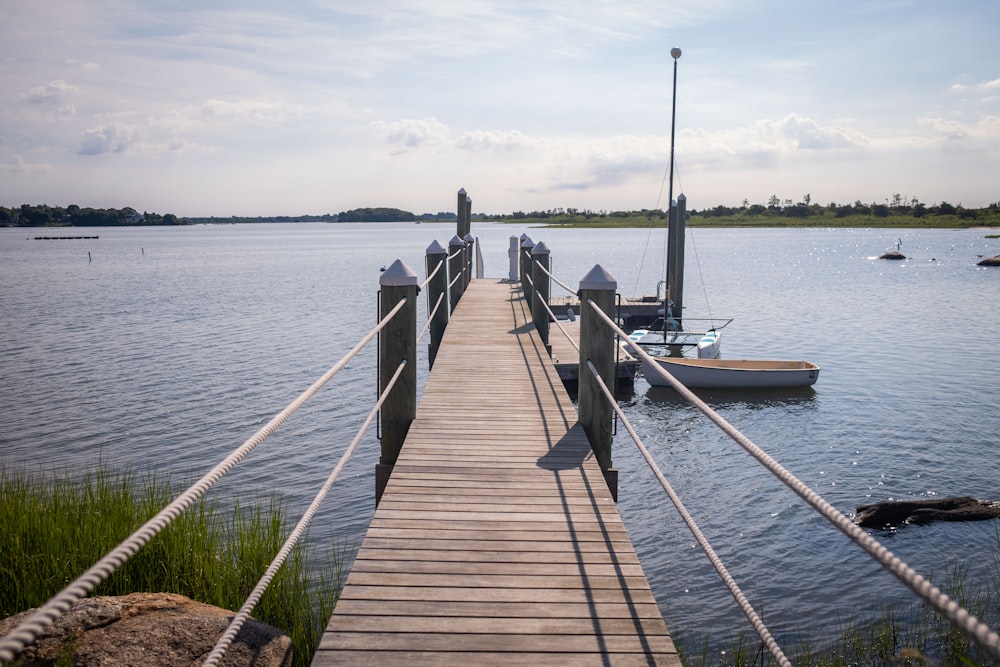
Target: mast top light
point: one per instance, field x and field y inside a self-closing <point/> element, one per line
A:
<point x="675" y="53"/>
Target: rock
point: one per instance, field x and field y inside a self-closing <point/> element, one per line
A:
<point x="992" y="261"/>
<point x="149" y="629"/>
<point x="892" y="254"/>
<point x="891" y="513"/>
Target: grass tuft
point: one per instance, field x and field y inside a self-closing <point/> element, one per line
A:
<point x="57" y="526"/>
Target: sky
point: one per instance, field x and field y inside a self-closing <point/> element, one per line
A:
<point x="253" y="108"/>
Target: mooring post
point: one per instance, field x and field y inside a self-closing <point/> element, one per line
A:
<point x="675" y="281"/>
<point x="513" y="259"/>
<point x="468" y="216"/>
<point x="539" y="265"/>
<point x="460" y="208"/>
<point x="437" y="287"/>
<point x="456" y="250"/>
<point x="397" y="342"/>
<point x="470" y="253"/>
<point x="526" y="245"/>
<point x="597" y="344"/>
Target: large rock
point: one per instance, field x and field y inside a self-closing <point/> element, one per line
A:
<point x="891" y="513"/>
<point x="892" y="254"/>
<point x="992" y="261"/>
<point x="152" y="630"/>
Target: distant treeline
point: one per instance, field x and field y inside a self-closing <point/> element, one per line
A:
<point x="43" y="215"/>
<point x="390" y="215"/>
<point x="897" y="211"/>
<point x="234" y="219"/>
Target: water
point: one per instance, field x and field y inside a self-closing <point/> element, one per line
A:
<point x="166" y="348"/>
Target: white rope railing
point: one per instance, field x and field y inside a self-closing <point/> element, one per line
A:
<point x="432" y="274"/>
<point x="554" y="279"/>
<point x="713" y="557"/>
<point x="576" y="346"/>
<point x="458" y="276"/>
<point x="958" y="616"/>
<point x="237" y="623"/>
<point x="430" y="317"/>
<point x="28" y="631"/>
<point x="456" y="253"/>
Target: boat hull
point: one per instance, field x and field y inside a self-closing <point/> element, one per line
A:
<point x="732" y="373"/>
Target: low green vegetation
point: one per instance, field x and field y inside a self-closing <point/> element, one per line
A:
<point x="56" y="526"/>
<point x="890" y="634"/>
<point x="778" y="213"/>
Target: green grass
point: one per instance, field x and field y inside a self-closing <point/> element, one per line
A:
<point x="889" y="634"/>
<point x="56" y="526"/>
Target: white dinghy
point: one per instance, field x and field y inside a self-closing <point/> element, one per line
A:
<point x="732" y="373"/>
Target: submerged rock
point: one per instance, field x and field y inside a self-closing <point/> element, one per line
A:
<point x="891" y="513"/>
<point x="155" y="629"/>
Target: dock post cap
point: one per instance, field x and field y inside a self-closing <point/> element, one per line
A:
<point x="526" y="242"/>
<point x="523" y="236"/>
<point x="435" y="248"/>
<point x="469" y="238"/>
<point x="540" y="249"/>
<point x="598" y="278"/>
<point x="461" y="191"/>
<point x="681" y="197"/>
<point x="455" y="240"/>
<point x="468" y="199"/>
<point x="397" y="275"/>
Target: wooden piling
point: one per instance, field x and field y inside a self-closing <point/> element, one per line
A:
<point x="456" y="266"/>
<point x="397" y="341"/>
<point x="675" y="261"/>
<point x="597" y="346"/>
<point x="468" y="216"/>
<point x="460" y="209"/>
<point x="526" y="245"/>
<point x="540" y="262"/>
<point x="470" y="254"/>
<point x="512" y="258"/>
<point x="437" y="287"/>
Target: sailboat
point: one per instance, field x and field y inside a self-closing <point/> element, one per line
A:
<point x="708" y="370"/>
<point x="668" y="330"/>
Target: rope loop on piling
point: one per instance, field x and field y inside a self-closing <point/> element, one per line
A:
<point x="985" y="636"/>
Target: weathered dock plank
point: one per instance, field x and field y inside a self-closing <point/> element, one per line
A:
<point x="496" y="540"/>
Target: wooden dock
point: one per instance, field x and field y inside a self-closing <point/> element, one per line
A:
<point x="567" y="360"/>
<point x="496" y="541"/>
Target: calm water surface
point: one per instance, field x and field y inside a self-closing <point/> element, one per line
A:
<point x="165" y="348"/>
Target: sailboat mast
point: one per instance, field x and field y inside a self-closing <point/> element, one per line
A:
<point x="672" y="258"/>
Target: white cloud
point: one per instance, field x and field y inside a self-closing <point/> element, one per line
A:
<point x="414" y="132"/>
<point x="984" y="131"/>
<point x="114" y="138"/>
<point x="55" y="94"/>
<point x="493" y="140"/>
<point x="18" y="165"/>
